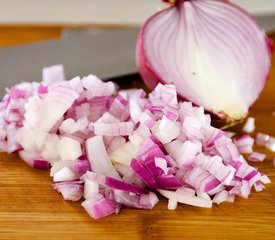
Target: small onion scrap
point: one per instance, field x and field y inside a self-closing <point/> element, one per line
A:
<point x="256" y="157"/>
<point x="122" y="148"/>
<point x="249" y="125"/>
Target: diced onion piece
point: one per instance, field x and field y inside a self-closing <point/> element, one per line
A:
<point x="220" y="197"/>
<point x="98" y="157"/>
<point x="64" y="174"/>
<point x="186" y="191"/>
<point x="249" y="125"/>
<point x="215" y="166"/>
<point x="34" y="160"/>
<point x="115" y="183"/>
<point x="139" y="135"/>
<point x="203" y="195"/>
<point x="68" y="148"/>
<point x="229" y="134"/>
<point x="245" y="189"/>
<point x="270" y="144"/>
<point x="184" y="152"/>
<point x="256" y="157"/>
<point x="124" y="154"/>
<point x="259" y="186"/>
<point x="114" y="129"/>
<point x="49" y="150"/>
<point x="265" y="179"/>
<point x="162" y="164"/>
<point x="53" y="74"/>
<point x="166" y="130"/>
<point x="172" y="204"/>
<point x="96" y="87"/>
<point x="40" y="163"/>
<point x="70" y="126"/>
<point x="58" y="165"/>
<point x="148" y="201"/>
<point x="99" y="208"/>
<point x="245" y="144"/>
<point x="81" y="166"/>
<point x="262" y="139"/>
<point x="144" y="201"/>
<point x="230" y="198"/>
<point x="70" y="190"/>
<point x="190" y="200"/>
<point x="91" y="189"/>
<point x="107" y="118"/>
<point x="115" y="143"/>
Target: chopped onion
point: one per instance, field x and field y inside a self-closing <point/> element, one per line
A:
<point x="114" y="183"/>
<point x="97" y="88"/>
<point x="53" y="74"/>
<point x="81" y="166"/>
<point x="91" y="189"/>
<point x="270" y="144"/>
<point x="64" y="174"/>
<point x="220" y="197"/>
<point x="203" y="195"/>
<point x="190" y="200"/>
<point x="166" y="130"/>
<point x="34" y="159"/>
<point x="183" y="152"/>
<point x="265" y="179"/>
<point x="262" y="139"/>
<point x="98" y="157"/>
<point x="202" y="48"/>
<point x="256" y="157"/>
<point x="249" y="126"/>
<point x="114" y="129"/>
<point x="70" y="126"/>
<point x="245" y="144"/>
<point x="99" y="208"/>
<point x="124" y="154"/>
<point x="144" y="201"/>
<point x="186" y="191"/>
<point x="41" y="164"/>
<point x="99" y="146"/>
<point x="68" y="148"/>
<point x="70" y="190"/>
<point x="172" y="204"/>
<point x="229" y="134"/>
<point x="259" y="186"/>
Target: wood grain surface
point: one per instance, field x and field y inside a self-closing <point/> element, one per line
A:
<point x="31" y="209"/>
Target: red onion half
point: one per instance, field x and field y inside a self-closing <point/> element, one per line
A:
<point x="213" y="51"/>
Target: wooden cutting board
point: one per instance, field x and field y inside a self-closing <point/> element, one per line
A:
<point x="31" y="209"/>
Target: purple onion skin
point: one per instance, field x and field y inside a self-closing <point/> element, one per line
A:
<point x="149" y="76"/>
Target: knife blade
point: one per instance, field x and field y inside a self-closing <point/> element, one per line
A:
<point x="109" y="54"/>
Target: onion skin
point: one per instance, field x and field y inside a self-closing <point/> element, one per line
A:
<point x="151" y="76"/>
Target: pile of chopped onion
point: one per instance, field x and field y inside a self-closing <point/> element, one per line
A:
<point x="121" y="148"/>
